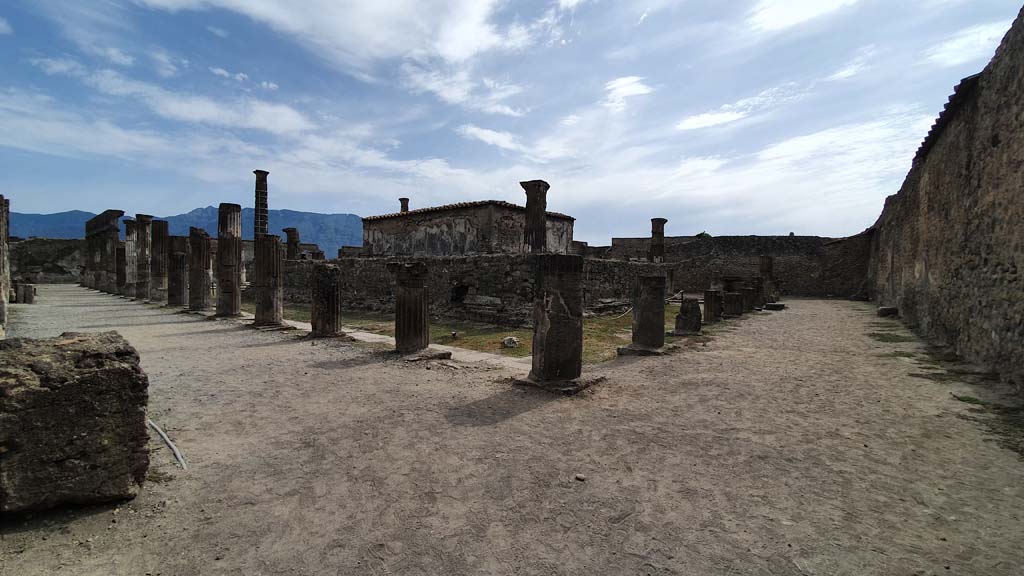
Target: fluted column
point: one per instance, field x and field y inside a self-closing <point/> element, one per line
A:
<point x="648" y="316"/>
<point x="269" y="281"/>
<point x="229" y="260"/>
<point x="144" y="254"/>
<point x="131" y="257"/>
<point x="200" y="270"/>
<point x="177" y="280"/>
<point x="261" y="221"/>
<point x="536" y="230"/>
<point x="294" y="246"/>
<point x="326" y="310"/>
<point x="412" y="307"/>
<point x="161" y="234"/>
<point x="656" y="253"/>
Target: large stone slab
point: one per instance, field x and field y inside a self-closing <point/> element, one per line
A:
<point x="72" y="421"/>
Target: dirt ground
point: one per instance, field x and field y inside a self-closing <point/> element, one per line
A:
<point x="792" y="443"/>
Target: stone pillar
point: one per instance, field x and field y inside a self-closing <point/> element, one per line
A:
<point x="404" y="203"/>
<point x="269" y="281"/>
<point x="732" y="305"/>
<point x="656" y="253"/>
<point x="760" y="291"/>
<point x="648" y="317"/>
<point x="748" y="298"/>
<point x="101" y="239"/>
<point x="200" y="270"/>
<point x="229" y="260"/>
<point x="536" y="234"/>
<point x="712" y="306"/>
<point x="261" y="221"/>
<point x="144" y="252"/>
<point x="131" y="257"/>
<point x="121" y="258"/>
<point x="294" y="246"/>
<point x="5" y="264"/>
<point x="177" y="280"/>
<point x="557" y="323"/>
<point x="731" y="283"/>
<point x="412" y="307"/>
<point x="326" y="312"/>
<point x="688" y="320"/>
<point x="161" y="234"/>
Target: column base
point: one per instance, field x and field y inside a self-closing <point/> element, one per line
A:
<point x="635" y="350"/>
<point x="560" y="386"/>
<point x="774" y="306"/>
<point x="425" y="354"/>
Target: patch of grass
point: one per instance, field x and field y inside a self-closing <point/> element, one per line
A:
<point x="889" y="337"/>
<point x="969" y="399"/>
<point x="897" y="354"/>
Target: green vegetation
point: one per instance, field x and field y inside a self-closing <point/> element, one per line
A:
<point x="969" y="399"/>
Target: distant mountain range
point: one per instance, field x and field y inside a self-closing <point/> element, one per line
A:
<point x="329" y="231"/>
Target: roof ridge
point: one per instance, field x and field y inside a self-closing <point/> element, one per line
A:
<point x="458" y="205"/>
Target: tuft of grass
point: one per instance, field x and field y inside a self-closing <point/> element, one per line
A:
<point x="889" y="337"/>
<point x="969" y="399"/>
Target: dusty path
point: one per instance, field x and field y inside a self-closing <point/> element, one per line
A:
<point x="788" y="445"/>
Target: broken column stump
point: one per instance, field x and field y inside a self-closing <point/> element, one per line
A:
<point x="269" y="281"/>
<point x="229" y="260"/>
<point x="557" y="324"/>
<point x="688" y="319"/>
<point x="648" y="318"/>
<point x="888" y="311"/>
<point x="760" y="295"/>
<point x="326" y="309"/>
<point x="712" y="306"/>
<point x="749" y="296"/>
<point x="732" y="305"/>
<point x="200" y="270"/>
<point x="412" y="317"/>
<point x="535" y="235"/>
<point x="294" y="247"/>
<point x="177" y="280"/>
<point x="72" y="421"/>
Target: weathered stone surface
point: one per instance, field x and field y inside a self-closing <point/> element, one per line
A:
<point x="131" y="235"/>
<point x="229" y="260"/>
<point x="326" y="309"/>
<point x="144" y="254"/>
<point x="100" y="257"/>
<point x="775" y="306"/>
<point x="261" y="223"/>
<point x="648" y="317"/>
<point x="412" y="307"/>
<point x="557" y="318"/>
<point x="24" y="293"/>
<point x="200" y="270"/>
<point x="536" y="234"/>
<point x="5" y="263"/>
<point x="177" y="280"/>
<point x="948" y="249"/>
<point x="159" y="260"/>
<point x="269" y="283"/>
<point x="886" y="311"/>
<point x="732" y="304"/>
<point x="688" y="320"/>
<point x="712" y="306"/>
<point x="749" y="296"/>
<point x="656" y="252"/>
<point x="72" y="421"/>
<point x="294" y="245"/>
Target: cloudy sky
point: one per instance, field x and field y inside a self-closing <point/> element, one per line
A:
<point x="739" y="117"/>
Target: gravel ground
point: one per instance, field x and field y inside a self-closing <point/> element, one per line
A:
<point x="791" y="443"/>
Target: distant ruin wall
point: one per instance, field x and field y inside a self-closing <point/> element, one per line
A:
<point x="47" y="261"/>
<point x="949" y="246"/>
<point x="488" y="288"/>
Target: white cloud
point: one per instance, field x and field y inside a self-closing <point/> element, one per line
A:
<point x="744" y="108"/>
<point x="454" y="84"/>
<point x="775" y="15"/>
<point x="239" y="77"/>
<point x="856" y="66"/>
<point x="167" y="66"/>
<point x="503" y="140"/>
<point x="620" y="89"/>
<point x="62" y="66"/>
<point x="96" y="28"/>
<point x="5" y="27"/>
<point x="217" y="31"/>
<point x="970" y="44"/>
<point x="268" y="85"/>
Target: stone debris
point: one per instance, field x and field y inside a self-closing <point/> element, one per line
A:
<point x="510" y="342"/>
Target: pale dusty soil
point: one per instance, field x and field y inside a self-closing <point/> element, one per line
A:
<point x="785" y="446"/>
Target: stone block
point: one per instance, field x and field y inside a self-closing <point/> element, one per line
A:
<point x="888" y="311"/>
<point x="688" y="320"/>
<point x="72" y="421"/>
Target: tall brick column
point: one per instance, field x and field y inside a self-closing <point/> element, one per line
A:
<point x="261" y="222"/>
<point x="161" y="235"/>
<point x="648" y="317"/>
<point x="412" y="307"/>
<point x="131" y="257"/>
<point x="177" y="280"/>
<point x="144" y="252"/>
<point x="200" y="270"/>
<point x="326" y="310"/>
<point x="656" y="253"/>
<point x="536" y="233"/>
<point x="269" y="281"/>
<point x="294" y="246"/>
<point x="229" y="260"/>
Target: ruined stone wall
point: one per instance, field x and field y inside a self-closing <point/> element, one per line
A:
<point x="47" y="261"/>
<point x="949" y="246"/>
<point x="495" y="288"/>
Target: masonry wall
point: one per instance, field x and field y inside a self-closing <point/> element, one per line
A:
<point x="46" y="261"/>
<point x="494" y="288"/>
<point x="949" y="246"/>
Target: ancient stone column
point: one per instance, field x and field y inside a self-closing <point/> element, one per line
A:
<point x="269" y="281"/>
<point x="712" y="306"/>
<point x="731" y="283"/>
<point x="404" y="203"/>
<point x="161" y="234"/>
<point x="656" y="253"/>
<point x="177" y="280"/>
<point x="732" y="305"/>
<point x="144" y="252"/>
<point x="5" y="264"/>
<point x="648" y="316"/>
<point x="200" y="270"/>
<point x="131" y="257"/>
<point x="748" y="298"/>
<point x="760" y="291"/>
<point x="121" y="259"/>
<point x="326" y="312"/>
<point x="261" y="221"/>
<point x="557" y="322"/>
<point x="688" y="319"/>
<point x="536" y="233"/>
<point x="229" y="260"/>
<point x="412" y="306"/>
<point x="294" y="246"/>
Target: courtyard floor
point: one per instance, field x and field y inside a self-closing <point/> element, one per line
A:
<point x="817" y="440"/>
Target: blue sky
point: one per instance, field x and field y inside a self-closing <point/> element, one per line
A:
<point x="739" y="117"/>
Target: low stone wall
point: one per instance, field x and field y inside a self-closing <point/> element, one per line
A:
<point x="47" y="261"/>
<point x="72" y="421"/>
<point x="488" y="288"/>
